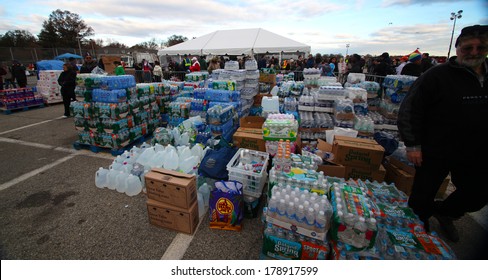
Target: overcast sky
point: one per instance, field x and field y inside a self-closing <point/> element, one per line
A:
<point x="369" y="27"/>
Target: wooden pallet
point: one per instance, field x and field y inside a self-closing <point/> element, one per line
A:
<point x="114" y="151"/>
<point x="25" y="108"/>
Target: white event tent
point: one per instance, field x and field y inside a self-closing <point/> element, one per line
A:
<point x="237" y="42"/>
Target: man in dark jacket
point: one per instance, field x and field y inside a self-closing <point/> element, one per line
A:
<point x="88" y="65"/>
<point x="441" y="121"/>
<point x="18" y="74"/>
<point x="413" y="67"/>
<point x="67" y="81"/>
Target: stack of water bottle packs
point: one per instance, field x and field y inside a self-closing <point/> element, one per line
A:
<point x="396" y="88"/>
<point x="16" y="98"/>
<point x="373" y="221"/>
<point x="298" y="213"/>
<point x="47" y="86"/>
<point x="115" y="112"/>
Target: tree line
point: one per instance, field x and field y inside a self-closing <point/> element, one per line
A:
<point x="63" y="29"/>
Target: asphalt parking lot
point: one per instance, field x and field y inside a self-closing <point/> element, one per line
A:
<point x="51" y="209"/>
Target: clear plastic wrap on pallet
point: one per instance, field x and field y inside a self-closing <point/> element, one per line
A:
<point x="354" y="221"/>
<point x="398" y="82"/>
<point x="308" y="213"/>
<point x="384" y="192"/>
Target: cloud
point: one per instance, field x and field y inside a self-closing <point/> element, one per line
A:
<point x="387" y="3"/>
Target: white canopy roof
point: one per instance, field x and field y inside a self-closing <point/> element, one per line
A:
<point x="237" y="42"/>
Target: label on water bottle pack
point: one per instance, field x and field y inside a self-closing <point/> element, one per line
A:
<point x="281" y="249"/>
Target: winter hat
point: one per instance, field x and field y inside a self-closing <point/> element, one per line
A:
<point x="415" y="56"/>
<point x="194" y="59"/>
<point x="474" y="30"/>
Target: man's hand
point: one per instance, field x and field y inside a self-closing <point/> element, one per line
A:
<point x="415" y="157"/>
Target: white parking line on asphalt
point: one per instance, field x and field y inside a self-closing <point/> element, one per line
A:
<point x="33" y="173"/>
<point x="59" y="149"/>
<point x="177" y="249"/>
<point x="27" y="126"/>
<point x="178" y="246"/>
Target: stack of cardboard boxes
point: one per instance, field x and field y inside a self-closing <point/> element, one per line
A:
<point x="354" y="158"/>
<point x="172" y="200"/>
<point x="249" y="135"/>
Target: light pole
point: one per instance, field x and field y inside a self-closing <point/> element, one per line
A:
<point x="454" y="16"/>
<point x="79" y="45"/>
<point x="347" y="48"/>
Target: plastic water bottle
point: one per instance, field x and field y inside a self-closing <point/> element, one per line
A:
<point x="134" y="185"/>
<point x="273" y="207"/>
<point x="300" y="214"/>
<point x="269" y="229"/>
<point x="281" y="208"/>
<point x="101" y="178"/>
<point x="320" y="221"/>
<point x="310" y="219"/>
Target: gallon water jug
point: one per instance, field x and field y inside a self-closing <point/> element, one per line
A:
<point x="116" y="166"/>
<point x="134" y="185"/>
<point x="205" y="190"/>
<point x="121" y="182"/>
<point x="112" y="178"/>
<point x="184" y="152"/>
<point x="158" y="147"/>
<point x="186" y="165"/>
<point x="101" y="177"/>
<point x="185" y="138"/>
<point x="146" y="156"/>
<point x="127" y="167"/>
<point x="158" y="159"/>
<point x="171" y="161"/>
<point x="201" y="206"/>
<point x="197" y="151"/>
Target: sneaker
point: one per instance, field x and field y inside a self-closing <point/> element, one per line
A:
<point x="448" y="227"/>
<point x="64" y="117"/>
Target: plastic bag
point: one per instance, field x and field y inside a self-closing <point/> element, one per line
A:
<point x="226" y="206"/>
<point x="99" y="71"/>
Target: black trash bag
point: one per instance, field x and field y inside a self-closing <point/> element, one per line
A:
<point x="387" y="141"/>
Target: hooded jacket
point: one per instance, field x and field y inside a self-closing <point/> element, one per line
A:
<point x="445" y="112"/>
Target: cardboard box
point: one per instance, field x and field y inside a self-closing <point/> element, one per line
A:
<point x="170" y="217"/>
<point x="402" y="175"/>
<point x="252" y="122"/>
<point x="171" y="187"/>
<point x="258" y="98"/>
<point x="402" y="179"/>
<point x="332" y="169"/>
<point x="108" y="63"/>
<point x="267" y="78"/>
<point x="329" y="168"/>
<point x="249" y="140"/>
<point x="354" y="172"/>
<point x="364" y="153"/>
